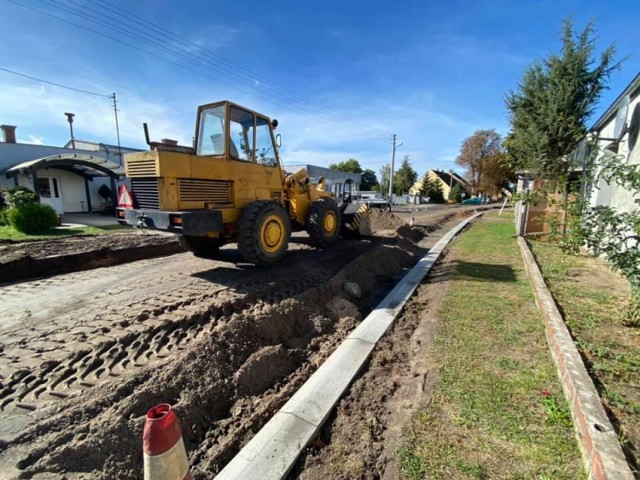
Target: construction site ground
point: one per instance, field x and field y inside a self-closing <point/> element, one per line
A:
<point x="84" y="355"/>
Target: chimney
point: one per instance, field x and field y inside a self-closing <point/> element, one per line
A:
<point x="8" y="133"/>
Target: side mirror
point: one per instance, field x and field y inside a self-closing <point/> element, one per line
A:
<point x="278" y="140"/>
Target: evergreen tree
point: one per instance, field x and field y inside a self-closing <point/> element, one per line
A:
<point x="405" y="177"/>
<point x="553" y="101"/>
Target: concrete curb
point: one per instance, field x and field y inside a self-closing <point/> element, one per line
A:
<point x="601" y="451"/>
<point x="273" y="451"/>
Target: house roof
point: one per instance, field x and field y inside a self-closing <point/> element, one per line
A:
<point x="85" y="165"/>
<point x="12" y="154"/>
<point x="107" y="146"/>
<point x="613" y="108"/>
<point x="448" y="178"/>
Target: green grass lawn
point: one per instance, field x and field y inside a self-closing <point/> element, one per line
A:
<point x="10" y="233"/>
<point x="497" y="410"/>
<point x="593" y="301"/>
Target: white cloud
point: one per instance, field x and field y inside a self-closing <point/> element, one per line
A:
<point x="349" y="126"/>
<point x="35" y="139"/>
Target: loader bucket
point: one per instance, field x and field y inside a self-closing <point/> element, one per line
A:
<point x="356" y="222"/>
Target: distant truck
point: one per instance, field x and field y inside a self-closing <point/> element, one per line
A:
<point x="372" y="199"/>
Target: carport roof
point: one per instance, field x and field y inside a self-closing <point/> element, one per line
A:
<point x="82" y="164"/>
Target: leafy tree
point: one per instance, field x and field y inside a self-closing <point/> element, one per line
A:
<point x="431" y="189"/>
<point x="405" y="177"/>
<point x="495" y="174"/>
<point x="385" y="173"/>
<point x="352" y="165"/>
<point x="368" y="181"/>
<point x="475" y="151"/>
<point x="553" y="101"/>
<point x="456" y="192"/>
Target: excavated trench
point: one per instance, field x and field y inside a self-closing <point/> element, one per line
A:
<point x="226" y="369"/>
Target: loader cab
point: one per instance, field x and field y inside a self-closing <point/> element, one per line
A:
<point x="227" y="130"/>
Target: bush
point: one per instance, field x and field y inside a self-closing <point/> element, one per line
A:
<point x="21" y="196"/>
<point x="3" y="198"/>
<point x="32" y="218"/>
<point x="3" y="217"/>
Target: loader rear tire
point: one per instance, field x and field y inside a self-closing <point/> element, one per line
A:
<point x="323" y="222"/>
<point x="264" y="230"/>
<point x="202" y="247"/>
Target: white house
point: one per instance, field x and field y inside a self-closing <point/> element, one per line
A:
<point x="617" y="132"/>
<point x="67" y="179"/>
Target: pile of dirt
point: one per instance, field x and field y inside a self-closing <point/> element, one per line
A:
<point x="20" y="261"/>
<point x="243" y="364"/>
<point x="384" y="220"/>
<point x="16" y="251"/>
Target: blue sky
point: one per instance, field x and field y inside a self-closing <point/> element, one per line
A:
<point x="340" y="76"/>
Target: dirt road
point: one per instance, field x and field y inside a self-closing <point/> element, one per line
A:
<point x="84" y="355"/>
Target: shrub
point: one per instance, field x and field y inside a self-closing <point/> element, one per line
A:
<point x="3" y="198"/>
<point x="21" y="196"/>
<point x="32" y="218"/>
<point x="3" y="217"/>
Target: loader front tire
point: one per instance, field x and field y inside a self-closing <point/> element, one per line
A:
<point x="264" y="230"/>
<point x="202" y="247"/>
<point x="323" y="222"/>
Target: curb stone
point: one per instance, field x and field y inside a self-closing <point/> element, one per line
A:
<point x="601" y="451"/>
<point x="273" y="451"/>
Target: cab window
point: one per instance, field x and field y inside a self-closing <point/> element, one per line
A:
<point x="264" y="152"/>
<point x="241" y="125"/>
<point x="211" y="131"/>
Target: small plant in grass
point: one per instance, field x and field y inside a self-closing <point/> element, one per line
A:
<point x="473" y="470"/>
<point x="412" y="466"/>
<point x="32" y="218"/>
<point x="556" y="412"/>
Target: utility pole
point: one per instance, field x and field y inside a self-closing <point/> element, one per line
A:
<point x="115" y="112"/>
<point x="393" y="161"/>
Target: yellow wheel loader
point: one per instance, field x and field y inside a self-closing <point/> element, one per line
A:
<point x="231" y="187"/>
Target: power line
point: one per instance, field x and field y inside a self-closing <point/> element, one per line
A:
<point x="53" y="83"/>
<point x="250" y="76"/>
<point x="244" y="76"/>
<point x="180" y="53"/>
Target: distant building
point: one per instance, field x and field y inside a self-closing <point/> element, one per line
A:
<point x="446" y="180"/>
<point x="65" y="178"/>
<point x="335" y="179"/>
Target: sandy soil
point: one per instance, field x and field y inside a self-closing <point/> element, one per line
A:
<point x="360" y="439"/>
<point x="85" y="355"/>
<point x="13" y="252"/>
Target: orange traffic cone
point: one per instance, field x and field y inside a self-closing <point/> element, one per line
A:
<point x="165" y="457"/>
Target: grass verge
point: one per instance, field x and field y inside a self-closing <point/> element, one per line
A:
<point x="9" y="233"/>
<point x="497" y="410"/>
<point x="593" y="301"/>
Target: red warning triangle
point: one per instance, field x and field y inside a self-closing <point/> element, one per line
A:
<point x="125" y="198"/>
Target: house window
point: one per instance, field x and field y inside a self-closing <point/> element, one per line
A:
<point x="43" y="187"/>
